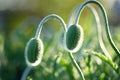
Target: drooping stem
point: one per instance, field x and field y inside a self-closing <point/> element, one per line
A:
<point x="98" y="26"/>
<point x="99" y="31"/>
<point x="77" y="66"/>
<point x="105" y="19"/>
<point x="38" y="32"/>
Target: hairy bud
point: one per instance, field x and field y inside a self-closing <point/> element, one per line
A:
<point x="34" y="52"/>
<point x="74" y="38"/>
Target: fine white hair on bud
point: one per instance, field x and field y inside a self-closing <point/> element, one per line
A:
<point x="74" y="38"/>
<point x="34" y="52"/>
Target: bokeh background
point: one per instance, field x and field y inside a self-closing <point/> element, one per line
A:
<point x="18" y="23"/>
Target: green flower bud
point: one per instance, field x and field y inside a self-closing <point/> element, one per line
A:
<point x="34" y="52"/>
<point x="74" y="38"/>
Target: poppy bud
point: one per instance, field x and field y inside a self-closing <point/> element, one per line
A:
<point x="34" y="52"/>
<point x="74" y="38"/>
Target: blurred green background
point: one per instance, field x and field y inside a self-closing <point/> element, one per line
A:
<point x="18" y="23"/>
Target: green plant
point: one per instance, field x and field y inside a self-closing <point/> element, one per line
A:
<point x="98" y="24"/>
<point x="105" y="19"/>
<point x="107" y="58"/>
<point x="73" y="39"/>
<point x="35" y="46"/>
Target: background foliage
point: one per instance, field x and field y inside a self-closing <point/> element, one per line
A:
<point x="18" y="22"/>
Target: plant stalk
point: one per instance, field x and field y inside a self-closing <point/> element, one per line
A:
<point x="77" y="66"/>
<point x="105" y="19"/>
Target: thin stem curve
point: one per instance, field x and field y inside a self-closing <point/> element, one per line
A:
<point x="99" y="31"/>
<point x="38" y="32"/>
<point x="77" y="66"/>
<point x="105" y="19"/>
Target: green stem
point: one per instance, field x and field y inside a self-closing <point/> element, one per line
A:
<point x="38" y="32"/>
<point x="105" y="19"/>
<point x="71" y="19"/>
<point x="77" y="66"/>
<point x="26" y="72"/>
<point x="99" y="31"/>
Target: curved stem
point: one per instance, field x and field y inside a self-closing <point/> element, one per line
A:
<point x="99" y="31"/>
<point x="26" y="72"/>
<point x="77" y="66"/>
<point x="105" y="19"/>
<point x="98" y="27"/>
<point x="45" y="19"/>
